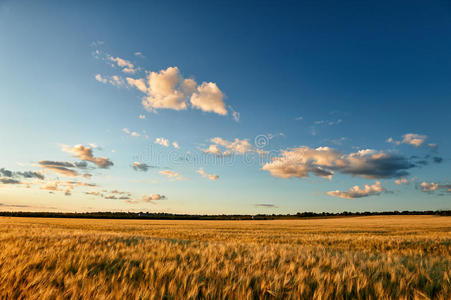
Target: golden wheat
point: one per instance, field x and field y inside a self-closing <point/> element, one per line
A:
<point x="398" y="257"/>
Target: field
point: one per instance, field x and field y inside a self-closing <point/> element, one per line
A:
<point x="388" y="257"/>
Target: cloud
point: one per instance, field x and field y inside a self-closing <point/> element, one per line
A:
<point x="175" y="145"/>
<point x="137" y="83"/>
<point x="142" y="117"/>
<point x="300" y="118"/>
<point x="127" y="66"/>
<point x="141" y="166"/>
<point x="172" y="175"/>
<point x="430" y="187"/>
<point x="167" y="89"/>
<point x="208" y="176"/>
<point x="265" y="205"/>
<point x="324" y="161"/>
<point x="164" y="90"/>
<point x="139" y="54"/>
<point x="50" y="186"/>
<point x="235" y="115"/>
<point x="403" y="180"/>
<point x="162" y="142"/>
<point x="100" y="78"/>
<point x="357" y="192"/>
<point x="60" y="167"/>
<point x="208" y="97"/>
<point x="27" y="174"/>
<point x="85" y="153"/>
<point x="9" y="181"/>
<point x="237" y="147"/>
<point x="153" y="197"/>
<point x="413" y="139"/>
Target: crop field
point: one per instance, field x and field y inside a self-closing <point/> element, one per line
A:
<point x="379" y="257"/>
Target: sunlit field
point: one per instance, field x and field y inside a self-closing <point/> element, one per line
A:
<point x="360" y="257"/>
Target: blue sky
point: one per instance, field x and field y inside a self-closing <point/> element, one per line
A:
<point x="275" y="107"/>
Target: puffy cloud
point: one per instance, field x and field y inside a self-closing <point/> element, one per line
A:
<point x="357" y="192"/>
<point x="85" y="153"/>
<point x="413" y="139"/>
<point x="167" y="89"/>
<point x="208" y="97"/>
<point x="208" y="176"/>
<point x="139" y="54"/>
<point x="164" y="90"/>
<point x="153" y="197"/>
<point x="142" y="117"/>
<point x="324" y="161"/>
<point x="175" y="145"/>
<point x="432" y="186"/>
<point x="237" y="146"/>
<point x="162" y="141"/>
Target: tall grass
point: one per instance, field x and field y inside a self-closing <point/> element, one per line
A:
<point x="398" y="257"/>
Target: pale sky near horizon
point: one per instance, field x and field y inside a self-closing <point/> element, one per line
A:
<point x="223" y="107"/>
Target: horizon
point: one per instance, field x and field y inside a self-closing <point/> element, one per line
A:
<point x="213" y="108"/>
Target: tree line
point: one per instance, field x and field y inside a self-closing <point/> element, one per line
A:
<point x="168" y="216"/>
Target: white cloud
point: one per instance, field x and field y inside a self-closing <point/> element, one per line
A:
<point x="101" y="79"/>
<point x="162" y="142"/>
<point x="164" y="90"/>
<point x="175" y="145"/>
<point x="208" y="97"/>
<point x="171" y="175"/>
<point x="117" y="81"/>
<point x="139" y="54"/>
<point x="127" y="66"/>
<point x="167" y="89"/>
<point x="237" y="146"/>
<point x="357" y="192"/>
<point x="324" y="161"/>
<point x="137" y="83"/>
<point x="413" y="139"/>
<point x="208" y="176"/>
<point x="142" y="117"/>
<point x="132" y="133"/>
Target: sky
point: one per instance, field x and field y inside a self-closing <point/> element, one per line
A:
<point x="225" y="107"/>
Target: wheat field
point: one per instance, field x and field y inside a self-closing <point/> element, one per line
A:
<point x="382" y="257"/>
